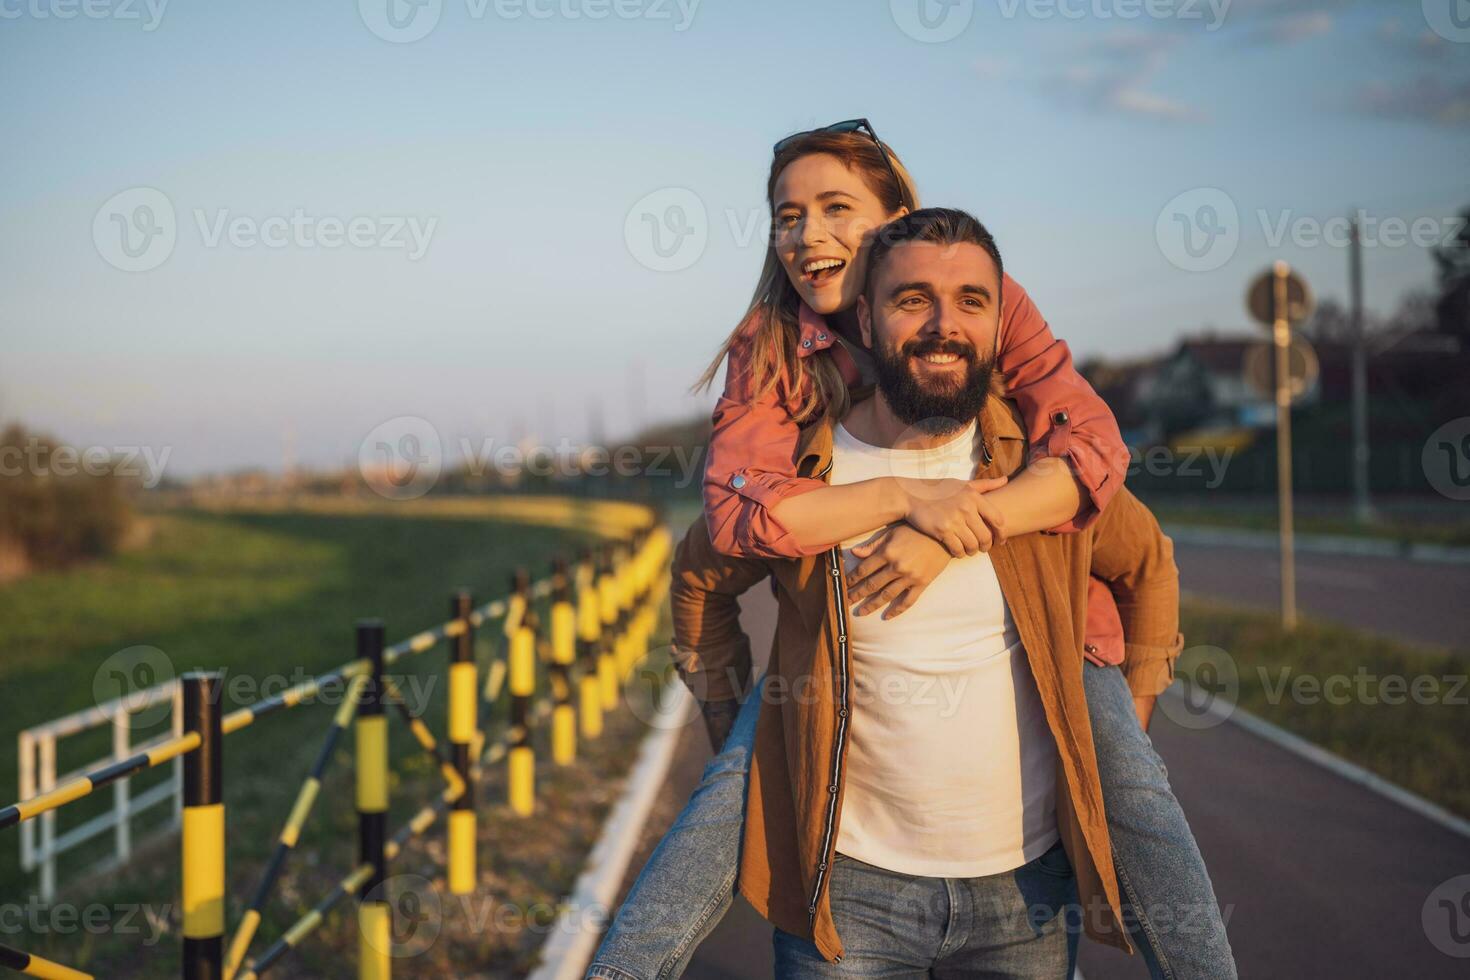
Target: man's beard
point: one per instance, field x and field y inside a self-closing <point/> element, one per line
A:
<point x="933" y="407"/>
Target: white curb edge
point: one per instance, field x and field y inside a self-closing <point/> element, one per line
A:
<point x="578" y="927"/>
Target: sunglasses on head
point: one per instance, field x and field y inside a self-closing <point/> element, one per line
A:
<point x="855" y="126"/>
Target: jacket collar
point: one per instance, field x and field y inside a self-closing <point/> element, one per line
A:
<point x="813" y="334"/>
<point x="1000" y="428"/>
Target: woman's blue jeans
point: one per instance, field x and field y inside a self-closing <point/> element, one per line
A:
<point x="689" y="883"/>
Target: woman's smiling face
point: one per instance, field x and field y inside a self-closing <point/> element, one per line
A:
<point x="823" y="215"/>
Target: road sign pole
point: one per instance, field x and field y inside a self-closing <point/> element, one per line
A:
<point x="1362" y="506"/>
<point x="1281" y="334"/>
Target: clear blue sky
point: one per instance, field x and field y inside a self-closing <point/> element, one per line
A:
<point x="527" y="140"/>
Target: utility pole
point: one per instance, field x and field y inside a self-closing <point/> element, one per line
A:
<point x="1362" y="507"/>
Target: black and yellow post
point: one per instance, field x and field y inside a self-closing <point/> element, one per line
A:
<point x="519" y="603"/>
<point x="374" y="914"/>
<point x="463" y="719"/>
<point x="520" y="757"/>
<point x="607" y="606"/>
<point x="589" y="641"/>
<point x="203" y="857"/>
<point x="628" y="595"/>
<point x="563" y="655"/>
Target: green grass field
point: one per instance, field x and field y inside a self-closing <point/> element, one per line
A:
<point x="269" y="598"/>
<point x="1395" y="709"/>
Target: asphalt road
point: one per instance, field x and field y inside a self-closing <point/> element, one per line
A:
<point x="1317" y="876"/>
<point x="1416" y="601"/>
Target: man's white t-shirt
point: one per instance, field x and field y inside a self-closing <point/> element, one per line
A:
<point x="951" y="768"/>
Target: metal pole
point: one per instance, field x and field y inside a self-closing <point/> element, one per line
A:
<point x="521" y="757"/>
<point x="203" y="855"/>
<point x="374" y="914"/>
<point x="1281" y="333"/>
<point x="563" y="655"/>
<point x="463" y="720"/>
<point x="122" y="829"/>
<point x="589" y="640"/>
<point x="1362" y="505"/>
<point x="607" y="602"/>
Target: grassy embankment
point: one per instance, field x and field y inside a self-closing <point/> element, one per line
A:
<point x="271" y="598"/>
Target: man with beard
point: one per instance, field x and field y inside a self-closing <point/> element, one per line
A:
<point x="924" y="796"/>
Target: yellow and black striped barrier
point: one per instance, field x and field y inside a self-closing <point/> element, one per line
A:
<point x="203" y="852"/>
<point x="520" y="757"/>
<point x="598" y="618"/>
<point x="374" y="914"/>
<point x="563" y="657"/>
<point x="463" y="727"/>
<point x="306" y="798"/>
<point x="589" y="647"/>
<point x="37" y="966"/>
<point x="607" y="605"/>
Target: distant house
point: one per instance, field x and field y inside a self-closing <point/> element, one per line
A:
<point x="1212" y="384"/>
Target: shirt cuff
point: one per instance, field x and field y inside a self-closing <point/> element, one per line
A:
<point x="1150" y="669"/>
<point x="720" y="683"/>
<point x="758" y="532"/>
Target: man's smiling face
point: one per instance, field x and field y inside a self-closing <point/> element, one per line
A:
<point x="930" y="315"/>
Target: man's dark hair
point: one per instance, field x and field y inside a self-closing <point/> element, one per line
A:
<point x="935" y="226"/>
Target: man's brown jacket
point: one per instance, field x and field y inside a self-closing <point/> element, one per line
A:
<point x="797" y="771"/>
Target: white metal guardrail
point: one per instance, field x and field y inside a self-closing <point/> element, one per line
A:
<point x="37" y="770"/>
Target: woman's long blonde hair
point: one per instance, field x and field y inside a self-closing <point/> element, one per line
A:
<point x="775" y="306"/>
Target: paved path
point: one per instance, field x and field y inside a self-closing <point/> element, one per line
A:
<point x="1417" y="601"/>
<point x="1319" y="877"/>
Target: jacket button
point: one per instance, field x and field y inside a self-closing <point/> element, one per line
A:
<point x="1060" y="417"/>
<point x="832" y="788"/>
<point x="842" y="712"/>
<point x="811" y="909"/>
<point x="737" y="481"/>
<point x="822" y="866"/>
<point x="1090" y="647"/>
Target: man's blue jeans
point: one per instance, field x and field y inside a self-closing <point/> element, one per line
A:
<point x="1020" y="925"/>
<point x="688" y="884"/>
